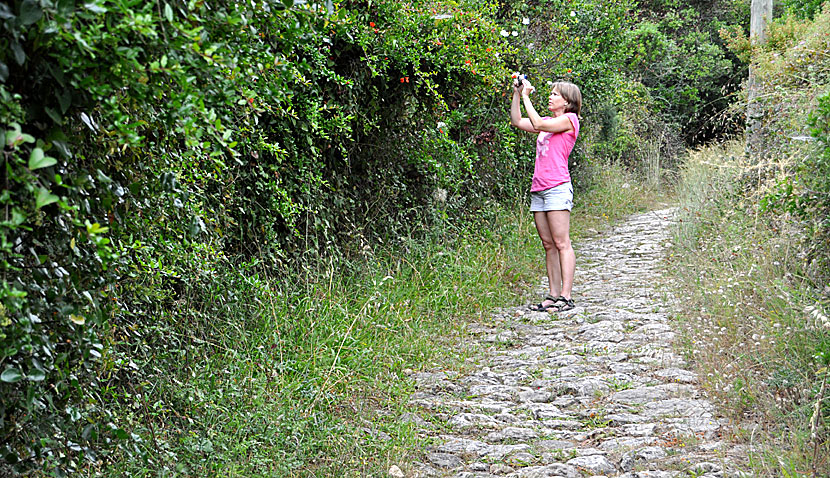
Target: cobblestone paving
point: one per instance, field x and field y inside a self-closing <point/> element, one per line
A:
<point x="595" y="391"/>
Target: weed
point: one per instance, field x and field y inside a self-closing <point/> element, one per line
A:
<point x="618" y="385"/>
<point x="595" y="419"/>
<point x="746" y="312"/>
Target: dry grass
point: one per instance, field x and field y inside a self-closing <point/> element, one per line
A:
<point x="755" y="327"/>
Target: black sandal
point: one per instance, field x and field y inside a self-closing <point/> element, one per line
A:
<point x="544" y="308"/>
<point x="563" y="305"/>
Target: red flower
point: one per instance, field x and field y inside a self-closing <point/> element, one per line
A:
<point x="250" y="101"/>
<point x="372" y="24"/>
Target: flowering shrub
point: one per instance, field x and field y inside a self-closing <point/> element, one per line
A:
<point x="155" y="149"/>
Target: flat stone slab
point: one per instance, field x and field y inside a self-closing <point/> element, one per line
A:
<point x="650" y="394"/>
<point x="594" y="464"/>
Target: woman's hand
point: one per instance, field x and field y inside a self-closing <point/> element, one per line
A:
<point x="517" y="86"/>
<point x="526" y="89"/>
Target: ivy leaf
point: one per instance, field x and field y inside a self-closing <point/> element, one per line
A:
<point x="19" y="54"/>
<point x="30" y="12"/>
<point x="36" y="375"/>
<point x="54" y="115"/>
<point x="11" y="375"/>
<point x="95" y="7"/>
<point x="64" y="99"/>
<point x="44" y="198"/>
<point x="65" y="7"/>
<point x="39" y="160"/>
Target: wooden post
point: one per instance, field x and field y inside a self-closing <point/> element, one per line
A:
<point x="761" y="15"/>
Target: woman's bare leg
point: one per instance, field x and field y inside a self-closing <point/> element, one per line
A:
<point x="552" y="258"/>
<point x="559" y="223"/>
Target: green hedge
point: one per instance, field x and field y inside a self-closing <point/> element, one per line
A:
<point x="158" y="155"/>
<point x="152" y="146"/>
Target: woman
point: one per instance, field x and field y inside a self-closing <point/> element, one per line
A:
<point x="551" y="192"/>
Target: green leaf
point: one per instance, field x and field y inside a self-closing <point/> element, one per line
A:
<point x="95" y="228"/>
<point x="19" y="54"/>
<point x="38" y="160"/>
<point x="65" y="7"/>
<point x="36" y="375"/>
<point x="168" y="12"/>
<point x="94" y="7"/>
<point x="54" y="115"/>
<point x="65" y="100"/>
<point x="12" y="137"/>
<point x="11" y="375"/>
<point x="30" y="12"/>
<point x="44" y="198"/>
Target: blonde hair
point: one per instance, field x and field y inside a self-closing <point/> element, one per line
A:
<point x="570" y="92"/>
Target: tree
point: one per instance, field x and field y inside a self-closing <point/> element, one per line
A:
<point x="761" y="16"/>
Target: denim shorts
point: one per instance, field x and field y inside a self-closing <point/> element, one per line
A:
<point x="559" y="198"/>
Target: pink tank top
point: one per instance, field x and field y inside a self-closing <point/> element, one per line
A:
<point x="552" y="151"/>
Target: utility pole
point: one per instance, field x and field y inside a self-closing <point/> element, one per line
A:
<point x="761" y="15"/>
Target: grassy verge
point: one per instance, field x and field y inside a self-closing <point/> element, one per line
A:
<point x="612" y="194"/>
<point x="310" y="376"/>
<point x="755" y="325"/>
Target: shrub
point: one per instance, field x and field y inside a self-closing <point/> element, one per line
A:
<point x="153" y="147"/>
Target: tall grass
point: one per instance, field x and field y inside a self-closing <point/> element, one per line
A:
<point x="609" y="192"/>
<point x="755" y="327"/>
<point x="309" y="375"/>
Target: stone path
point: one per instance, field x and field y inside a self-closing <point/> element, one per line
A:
<point x="596" y="391"/>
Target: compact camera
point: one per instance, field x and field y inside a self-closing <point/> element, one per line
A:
<point x="518" y="78"/>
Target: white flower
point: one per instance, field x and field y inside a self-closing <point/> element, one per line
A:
<point x="818" y="315"/>
<point x="530" y="46"/>
<point x="573" y="13"/>
<point x="525" y="21"/>
<point x="441" y="124"/>
<point x="504" y="33"/>
<point x="514" y="33"/>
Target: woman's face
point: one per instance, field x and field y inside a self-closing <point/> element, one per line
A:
<point x="556" y="101"/>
